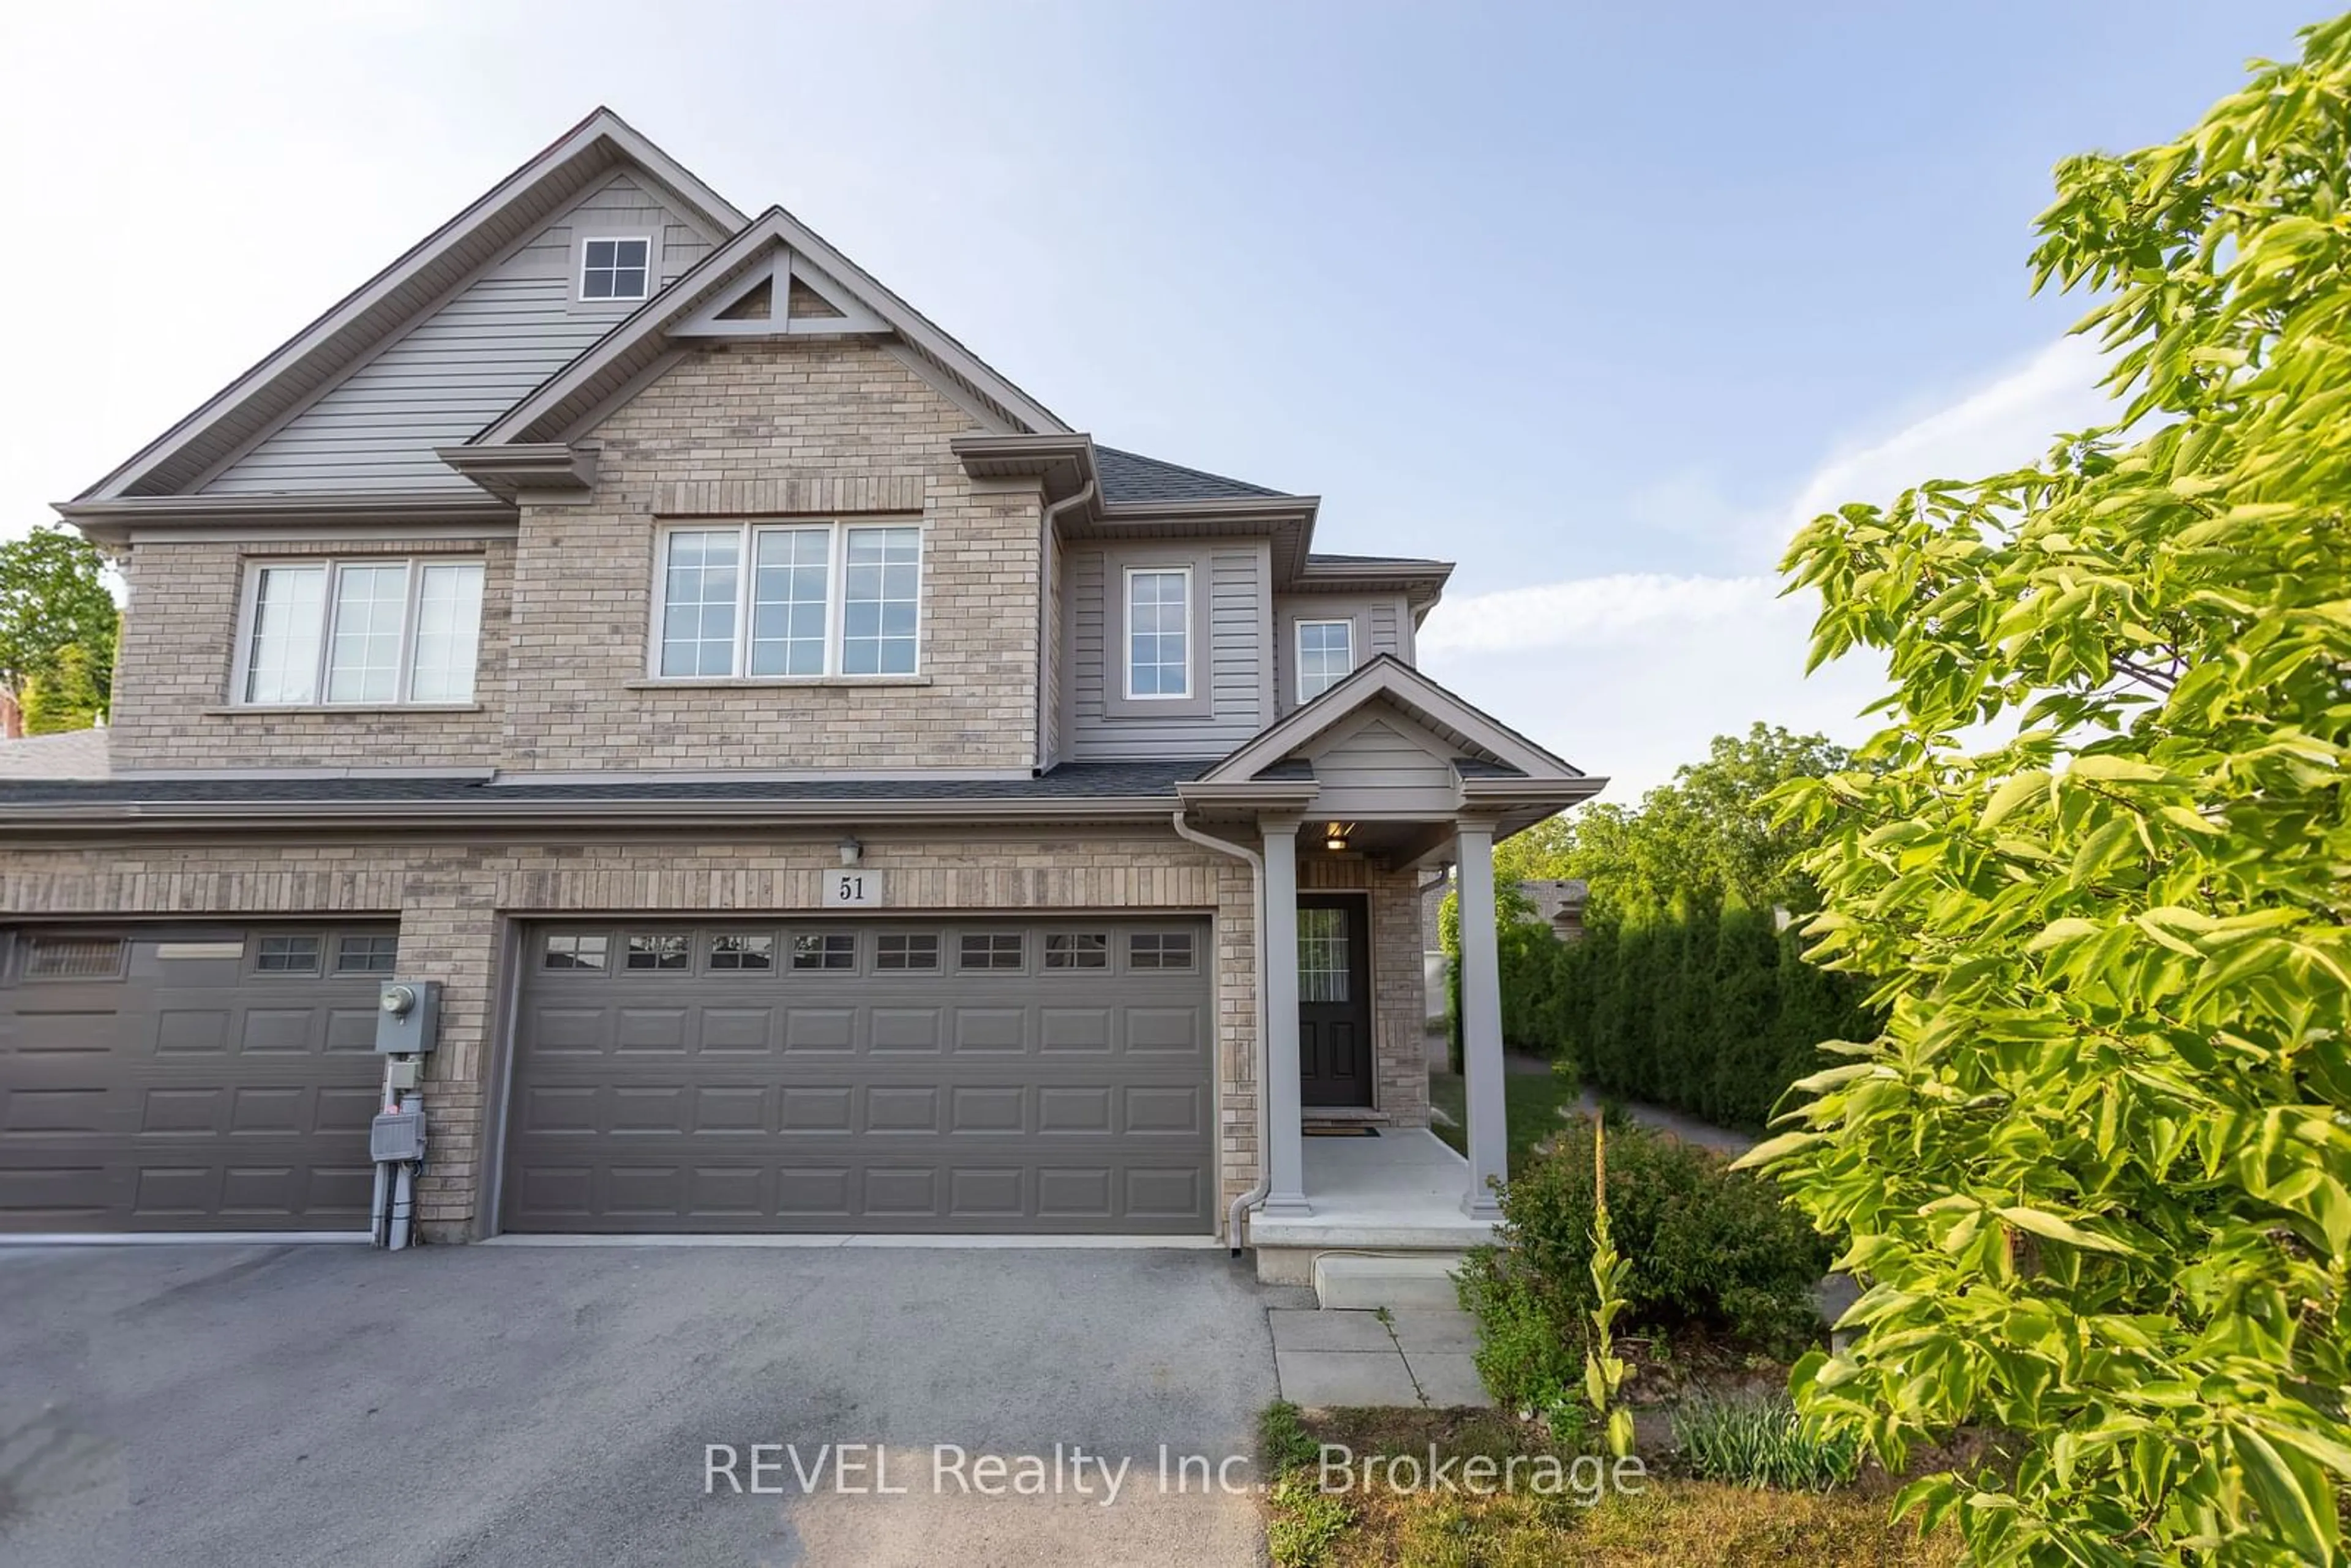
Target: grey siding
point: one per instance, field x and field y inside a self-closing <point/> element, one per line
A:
<point x="1377" y="767"/>
<point x="1382" y="625"/>
<point x="1056" y="665"/>
<point x="1238" y="652"/>
<point x="457" y="368"/>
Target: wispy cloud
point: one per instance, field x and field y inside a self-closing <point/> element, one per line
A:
<point x="1630" y="674"/>
<point x="1589" y="611"/>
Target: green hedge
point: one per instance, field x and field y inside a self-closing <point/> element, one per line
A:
<point x="1710" y="1010"/>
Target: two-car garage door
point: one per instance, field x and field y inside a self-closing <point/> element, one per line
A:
<point x="908" y="1075"/>
<point x="972" y="1075"/>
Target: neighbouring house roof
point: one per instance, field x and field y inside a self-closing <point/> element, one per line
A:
<point x="1129" y="477"/>
<point x="332" y="345"/>
<point x="78" y="753"/>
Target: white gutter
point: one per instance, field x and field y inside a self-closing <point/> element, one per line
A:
<point x="1045" y="656"/>
<point x="1255" y="1195"/>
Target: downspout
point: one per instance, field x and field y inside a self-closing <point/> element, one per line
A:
<point x="1255" y="1195"/>
<point x="1045" y="656"/>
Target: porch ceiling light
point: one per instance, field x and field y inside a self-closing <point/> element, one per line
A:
<point x="1337" y="839"/>
<point x="851" y="851"/>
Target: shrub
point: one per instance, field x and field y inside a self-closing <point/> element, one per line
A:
<point x="1763" y="1442"/>
<point x="1710" y="1249"/>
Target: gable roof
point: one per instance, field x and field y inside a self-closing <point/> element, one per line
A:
<point x="327" y="347"/>
<point x="1128" y="477"/>
<point x="1477" y="734"/>
<point x="635" y="347"/>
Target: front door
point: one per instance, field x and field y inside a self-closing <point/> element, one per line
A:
<point x="1334" y="1001"/>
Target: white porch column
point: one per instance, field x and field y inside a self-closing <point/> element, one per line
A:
<point x="1481" y="1019"/>
<point x="1285" y="1152"/>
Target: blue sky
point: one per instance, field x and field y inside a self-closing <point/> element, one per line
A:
<point x="1596" y="300"/>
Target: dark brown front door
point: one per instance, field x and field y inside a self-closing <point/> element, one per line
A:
<point x="1334" y="1001"/>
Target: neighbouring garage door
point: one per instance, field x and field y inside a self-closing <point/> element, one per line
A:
<point x="191" y="1079"/>
<point x="863" y="1075"/>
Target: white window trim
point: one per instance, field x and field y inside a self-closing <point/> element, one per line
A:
<point x="1126" y="633"/>
<point x="241" y="674"/>
<point x="653" y="261"/>
<point x="1298" y="655"/>
<point x="836" y="589"/>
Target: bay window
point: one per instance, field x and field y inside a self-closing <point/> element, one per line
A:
<point x="372" y="633"/>
<point x="787" y="601"/>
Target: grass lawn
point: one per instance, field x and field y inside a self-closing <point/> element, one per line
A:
<point x="1531" y="1101"/>
<point x="1670" y="1523"/>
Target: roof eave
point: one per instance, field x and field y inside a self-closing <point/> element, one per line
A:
<point x="111" y="520"/>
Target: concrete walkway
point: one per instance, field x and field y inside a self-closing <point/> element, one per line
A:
<point x="1676" y="1123"/>
<point x="1411" y="1357"/>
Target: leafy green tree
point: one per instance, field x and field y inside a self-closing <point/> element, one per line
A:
<point x="66" y="698"/>
<point x="52" y="597"/>
<point x="2097" y="1166"/>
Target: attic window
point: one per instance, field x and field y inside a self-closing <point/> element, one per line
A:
<point x="615" y="268"/>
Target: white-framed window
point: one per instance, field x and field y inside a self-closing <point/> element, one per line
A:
<point x="1326" y="655"/>
<point x="778" y="600"/>
<point x="375" y="633"/>
<point x="1158" y="632"/>
<point x="616" y="267"/>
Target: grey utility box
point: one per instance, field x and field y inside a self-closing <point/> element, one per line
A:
<point x="396" y="1135"/>
<point x="408" y="1017"/>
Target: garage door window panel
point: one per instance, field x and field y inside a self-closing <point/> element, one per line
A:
<point x="1163" y="951"/>
<point x="366" y="955"/>
<point x="74" y="958"/>
<point x="835" y="952"/>
<point x="902" y="952"/>
<point x="991" y="952"/>
<point x="286" y="954"/>
<point x="666" y="952"/>
<point x="744" y="952"/>
<point x="577" y="952"/>
<point x="1077" y="950"/>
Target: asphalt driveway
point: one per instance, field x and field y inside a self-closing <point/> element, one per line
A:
<point x="557" y="1405"/>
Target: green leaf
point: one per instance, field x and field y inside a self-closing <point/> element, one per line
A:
<point x="2042" y="1223"/>
<point x="2301" y="1519"/>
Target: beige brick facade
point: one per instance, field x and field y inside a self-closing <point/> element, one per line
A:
<point x="820" y="429"/>
<point x="455" y="902"/>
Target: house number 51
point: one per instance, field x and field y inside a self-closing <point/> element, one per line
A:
<point x="854" y="889"/>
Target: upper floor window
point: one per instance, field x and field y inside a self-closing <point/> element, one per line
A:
<point x="374" y="632"/>
<point x="789" y="600"/>
<point x="1326" y="655"/>
<point x="615" y="268"/>
<point x="1158" y="632"/>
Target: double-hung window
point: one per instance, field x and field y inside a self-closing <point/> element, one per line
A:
<point x="1326" y="655"/>
<point x="365" y="631"/>
<point x="1158" y="632"/>
<point x="784" y="600"/>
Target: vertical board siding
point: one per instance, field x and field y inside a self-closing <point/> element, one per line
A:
<point x="456" y="369"/>
<point x="1235" y="666"/>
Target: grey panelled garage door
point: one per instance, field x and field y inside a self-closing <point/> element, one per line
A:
<point x="188" y="1080"/>
<point x="863" y="1075"/>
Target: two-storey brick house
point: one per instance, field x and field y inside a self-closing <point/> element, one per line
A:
<point x="560" y="616"/>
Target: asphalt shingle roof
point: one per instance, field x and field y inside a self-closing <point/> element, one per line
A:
<point x="1129" y="476"/>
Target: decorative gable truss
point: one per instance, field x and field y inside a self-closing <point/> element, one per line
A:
<point x="814" y="304"/>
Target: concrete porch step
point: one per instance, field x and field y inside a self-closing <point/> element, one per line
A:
<point x="1352" y="1281"/>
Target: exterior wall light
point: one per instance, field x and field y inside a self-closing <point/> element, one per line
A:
<point x="851" y="851"/>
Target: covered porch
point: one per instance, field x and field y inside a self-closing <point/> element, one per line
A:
<point x="1381" y="783"/>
